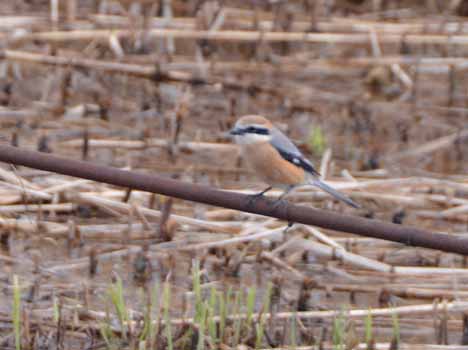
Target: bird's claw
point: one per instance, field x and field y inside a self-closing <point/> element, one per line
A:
<point x="282" y="202"/>
<point x="279" y="202"/>
<point x="253" y="198"/>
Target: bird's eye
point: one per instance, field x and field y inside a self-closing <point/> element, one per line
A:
<point x="250" y="129"/>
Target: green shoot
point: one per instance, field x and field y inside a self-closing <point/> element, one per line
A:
<point x="222" y="300"/>
<point x="250" y="305"/>
<point x="197" y="288"/>
<point x="147" y="324"/>
<point x="211" y="313"/>
<point x="117" y="299"/>
<point x="368" y="329"/>
<point x="201" y="326"/>
<point x="259" y="327"/>
<point x="339" y="330"/>
<point x="317" y="142"/>
<point x="106" y="331"/>
<point x="396" y="327"/>
<point x="167" y="319"/>
<point x="155" y="307"/>
<point x="17" y="312"/>
<point x="292" y="336"/>
<point x="258" y="335"/>
<point x="56" y="310"/>
<point x="106" y="334"/>
<point x="237" y="322"/>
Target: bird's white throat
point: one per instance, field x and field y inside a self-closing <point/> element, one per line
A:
<point x="248" y="139"/>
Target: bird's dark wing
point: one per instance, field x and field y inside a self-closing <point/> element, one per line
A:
<point x="290" y="152"/>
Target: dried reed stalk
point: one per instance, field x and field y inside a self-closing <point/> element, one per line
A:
<point x="239" y="36"/>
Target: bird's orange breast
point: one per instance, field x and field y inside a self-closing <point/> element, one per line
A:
<point x="268" y="164"/>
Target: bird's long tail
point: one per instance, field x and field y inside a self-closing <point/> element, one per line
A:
<point x="335" y="193"/>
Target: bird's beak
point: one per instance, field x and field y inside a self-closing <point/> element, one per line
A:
<point x="235" y="131"/>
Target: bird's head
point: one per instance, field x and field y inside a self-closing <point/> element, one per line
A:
<point x="252" y="129"/>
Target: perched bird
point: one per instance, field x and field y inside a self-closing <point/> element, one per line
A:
<point x="277" y="161"/>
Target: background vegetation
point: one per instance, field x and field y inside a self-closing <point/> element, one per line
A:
<point x="374" y="92"/>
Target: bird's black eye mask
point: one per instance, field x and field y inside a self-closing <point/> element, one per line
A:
<point x="258" y="130"/>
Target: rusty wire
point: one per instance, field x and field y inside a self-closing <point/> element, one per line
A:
<point x="203" y="194"/>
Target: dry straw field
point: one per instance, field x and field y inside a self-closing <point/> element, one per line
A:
<point x="374" y="92"/>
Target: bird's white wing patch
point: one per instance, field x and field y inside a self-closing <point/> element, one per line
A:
<point x="290" y="152"/>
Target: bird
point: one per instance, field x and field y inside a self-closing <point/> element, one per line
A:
<point x="275" y="158"/>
